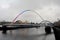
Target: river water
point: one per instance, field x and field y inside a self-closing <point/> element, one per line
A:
<point x="26" y="34"/>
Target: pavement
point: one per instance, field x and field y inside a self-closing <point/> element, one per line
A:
<point x="27" y="34"/>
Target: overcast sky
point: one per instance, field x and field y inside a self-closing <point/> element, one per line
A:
<point x="48" y="10"/>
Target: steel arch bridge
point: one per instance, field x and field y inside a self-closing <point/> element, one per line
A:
<point x="26" y="11"/>
<point x="46" y="23"/>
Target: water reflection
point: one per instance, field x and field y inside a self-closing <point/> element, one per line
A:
<point x="20" y="37"/>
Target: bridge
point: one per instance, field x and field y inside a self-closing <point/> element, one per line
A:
<point x="6" y="27"/>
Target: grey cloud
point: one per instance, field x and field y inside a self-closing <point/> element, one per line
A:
<point x="46" y="7"/>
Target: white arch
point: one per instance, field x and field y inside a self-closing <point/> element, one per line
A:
<point x="24" y="12"/>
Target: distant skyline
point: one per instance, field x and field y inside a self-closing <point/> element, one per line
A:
<point x="48" y="9"/>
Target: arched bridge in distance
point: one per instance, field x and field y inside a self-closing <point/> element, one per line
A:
<point x="44" y="22"/>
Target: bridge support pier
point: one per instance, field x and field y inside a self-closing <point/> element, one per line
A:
<point x="48" y="30"/>
<point x="4" y="31"/>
